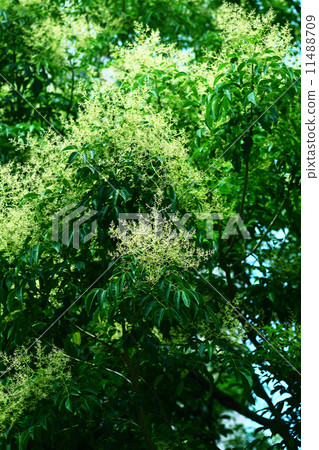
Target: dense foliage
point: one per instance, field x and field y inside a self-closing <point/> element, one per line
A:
<point x="160" y="336"/>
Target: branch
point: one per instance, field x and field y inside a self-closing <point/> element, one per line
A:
<point x="230" y="403"/>
<point x="263" y="236"/>
<point x="277" y="425"/>
<point x="134" y="372"/>
<point x="163" y="414"/>
<point x="92" y="336"/>
<point x="261" y="392"/>
<point x="269" y="227"/>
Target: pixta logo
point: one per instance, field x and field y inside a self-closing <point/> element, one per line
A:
<point x="234" y="226"/>
<point x="72" y="229"/>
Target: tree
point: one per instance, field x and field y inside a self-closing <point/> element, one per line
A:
<point x="168" y="327"/>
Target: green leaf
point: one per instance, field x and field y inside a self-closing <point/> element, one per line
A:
<point x="227" y="93"/>
<point x="216" y="104"/>
<point x="115" y="197"/>
<point x="11" y="302"/>
<point x="201" y="350"/>
<point x="11" y="330"/>
<point x="180" y="388"/>
<point x="252" y="98"/>
<point x="89" y="300"/>
<point x="72" y="157"/>
<point x="195" y="296"/>
<point x="34" y="255"/>
<point x="69" y="147"/>
<point x="167" y="291"/>
<point x="214" y="318"/>
<point x="77" y="338"/>
<point x="19" y="294"/>
<point x="125" y="194"/>
<point x="149" y="307"/>
<point x="184" y="373"/>
<point x="222" y="66"/>
<point x="56" y="246"/>
<point x="218" y="77"/>
<point x="114" y="291"/>
<point x="43" y="422"/>
<point x="208" y="116"/>
<point x="31" y="195"/>
<point x="79" y="265"/>
<point x="158" y="379"/>
<point x="177" y="297"/>
<point x="186" y="299"/>
<point x="23" y="439"/>
<point x="246" y="380"/>
<point x="159" y="316"/>
<point x="68" y="404"/>
<point x="252" y="61"/>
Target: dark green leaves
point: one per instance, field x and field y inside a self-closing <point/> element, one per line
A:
<point x="167" y="291"/>
<point x="159" y="316"/>
<point x="34" y="254"/>
<point x="89" y="299"/>
<point x="72" y="157"/>
<point x="214" y="107"/>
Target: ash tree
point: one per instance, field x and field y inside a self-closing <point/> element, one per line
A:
<point x="153" y="338"/>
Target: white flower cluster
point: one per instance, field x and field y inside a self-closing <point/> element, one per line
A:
<point x="156" y="245"/>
